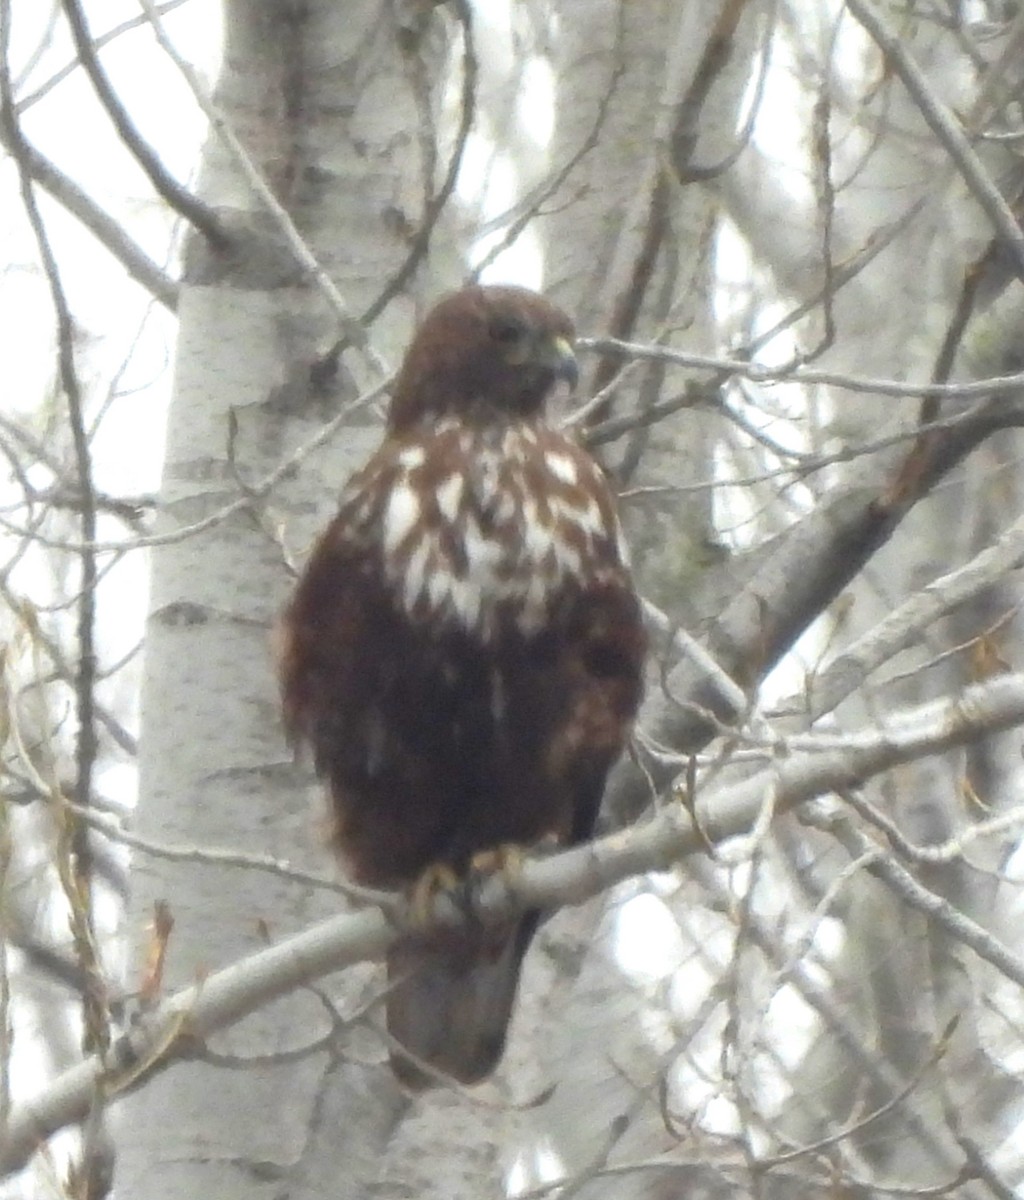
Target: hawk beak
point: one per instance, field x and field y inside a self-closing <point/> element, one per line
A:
<point x="560" y="358"/>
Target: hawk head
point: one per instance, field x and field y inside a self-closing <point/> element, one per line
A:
<point x="484" y="354"/>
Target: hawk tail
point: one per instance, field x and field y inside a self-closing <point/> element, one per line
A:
<point x="450" y="999"/>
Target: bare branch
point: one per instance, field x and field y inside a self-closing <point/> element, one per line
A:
<point x="78" y="881"/>
<point x="946" y="128"/>
<point x="223" y="998"/>
<point x="179" y="198"/>
<point x="892" y="634"/>
<point x="255" y="492"/>
<point x="303" y="255"/>
<point x="104" y="39"/>
<point x="108" y="232"/>
<point x="956" y="924"/>
<point x="759" y="373"/>
<point x="211" y="856"/>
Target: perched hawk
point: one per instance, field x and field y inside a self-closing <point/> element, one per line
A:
<point x="464" y="651"/>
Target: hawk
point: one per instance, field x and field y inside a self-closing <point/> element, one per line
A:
<point x="464" y="652"/>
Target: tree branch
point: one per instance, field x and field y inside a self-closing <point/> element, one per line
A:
<point x="104" y="39"/>
<point x="300" y="250"/>
<point x="108" y="232"/>
<point x="167" y="1033"/>
<point x="179" y="198"/>
<point x="893" y="633"/>
<point x="941" y="121"/>
<point x="759" y="373"/>
<point x="782" y="587"/>
<point x="78" y="884"/>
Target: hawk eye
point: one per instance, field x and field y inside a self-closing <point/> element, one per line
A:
<point x="507" y="330"/>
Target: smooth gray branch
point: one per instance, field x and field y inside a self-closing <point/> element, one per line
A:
<point x="568" y="878"/>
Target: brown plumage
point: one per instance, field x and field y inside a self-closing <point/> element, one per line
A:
<point x="464" y="651"/>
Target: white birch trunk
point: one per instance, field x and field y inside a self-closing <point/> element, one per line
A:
<point x="320" y="96"/>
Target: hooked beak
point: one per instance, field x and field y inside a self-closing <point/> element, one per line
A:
<point x="559" y="358"/>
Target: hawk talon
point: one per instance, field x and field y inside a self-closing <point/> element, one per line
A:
<point x="506" y="859"/>
<point x="442" y="879"/>
<point x="439" y="879"/>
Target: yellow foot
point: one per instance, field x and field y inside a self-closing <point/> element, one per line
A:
<point x="442" y="879"/>
<point x="506" y="859"/>
<point x="438" y="878"/>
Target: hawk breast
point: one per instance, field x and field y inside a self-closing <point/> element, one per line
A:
<point x="482" y="528"/>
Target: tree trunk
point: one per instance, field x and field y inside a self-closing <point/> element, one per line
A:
<point x="322" y="97"/>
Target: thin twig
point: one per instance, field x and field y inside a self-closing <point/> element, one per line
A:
<point x="915" y="895"/>
<point x="301" y="252"/>
<point x="80" y="884"/>
<point x="178" y="197"/>
<point x="566" y="878"/>
<point x="210" y="856"/>
<point x="942" y="122"/>
<point x="108" y="232"/>
<point x="531" y="205"/>
<point x="104" y="39"/>
<point x="760" y="373"/>
<point x="256" y="492"/>
<point x="880" y="644"/>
